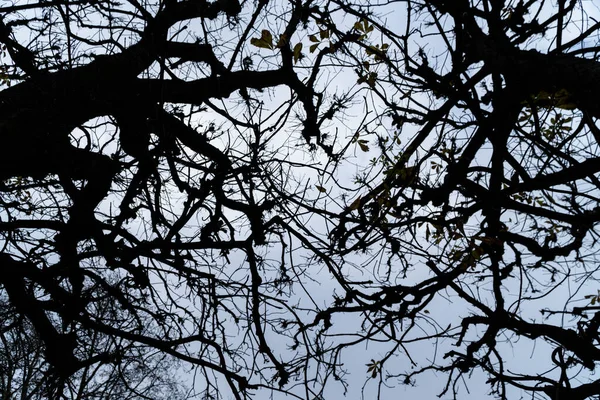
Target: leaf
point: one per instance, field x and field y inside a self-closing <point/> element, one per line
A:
<point x="363" y="145"/>
<point x="371" y="50"/>
<point x="313" y="47"/>
<point x="265" y="41"/>
<point x="259" y="43"/>
<point x="266" y="35"/>
<point x="282" y="41"/>
<point x="297" y="52"/>
<point x="407" y="175"/>
<point x="313" y="38"/>
<point x="565" y="104"/>
<point x="321" y="189"/>
<point x="355" y="204"/>
<point x="324" y="34"/>
<point x="373" y="368"/>
<point x="372" y="79"/>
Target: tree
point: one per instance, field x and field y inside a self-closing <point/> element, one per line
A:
<point x="132" y="372"/>
<point x="188" y="161"/>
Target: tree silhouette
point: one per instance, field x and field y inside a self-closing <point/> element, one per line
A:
<point x="204" y="166"/>
<point x="132" y="372"/>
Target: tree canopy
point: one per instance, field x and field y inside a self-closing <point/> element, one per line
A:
<point x="263" y="193"/>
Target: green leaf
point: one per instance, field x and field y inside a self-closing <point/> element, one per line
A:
<point x="313" y="47"/>
<point x="374" y="368"/>
<point x="355" y="204"/>
<point x="265" y="41"/>
<point x="297" y="52"/>
<point x="259" y="43"/>
<point x="371" y="79"/>
<point x="313" y="38"/>
<point x="266" y="35"/>
<point x="407" y="175"/>
<point x="371" y="50"/>
<point x="282" y="41"/>
<point x="363" y="145"/>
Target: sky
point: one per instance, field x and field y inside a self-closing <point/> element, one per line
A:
<point x="445" y="309"/>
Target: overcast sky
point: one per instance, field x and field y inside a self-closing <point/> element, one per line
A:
<point x="522" y="355"/>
